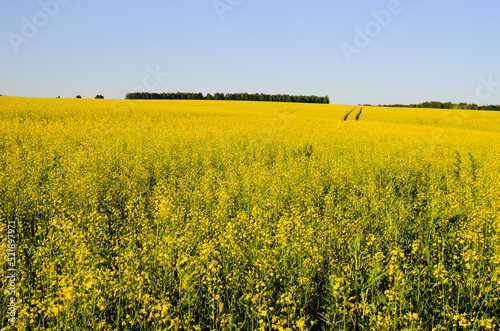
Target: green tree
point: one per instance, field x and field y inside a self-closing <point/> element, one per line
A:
<point x="99" y="96"/>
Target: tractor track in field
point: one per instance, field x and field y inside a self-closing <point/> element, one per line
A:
<point x="359" y="114"/>
<point x="349" y="113"/>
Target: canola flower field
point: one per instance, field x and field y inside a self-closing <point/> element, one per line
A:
<point x="219" y="215"/>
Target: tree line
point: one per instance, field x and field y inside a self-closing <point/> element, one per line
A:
<point x="229" y="96"/>
<point x="446" y="105"/>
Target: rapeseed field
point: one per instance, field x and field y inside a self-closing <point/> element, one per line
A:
<point x="220" y="215"/>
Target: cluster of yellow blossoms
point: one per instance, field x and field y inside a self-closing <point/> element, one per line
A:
<point x="219" y="215"/>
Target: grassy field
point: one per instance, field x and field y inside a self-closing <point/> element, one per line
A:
<point x="219" y="215"/>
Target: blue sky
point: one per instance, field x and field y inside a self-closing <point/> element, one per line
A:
<point x="357" y="52"/>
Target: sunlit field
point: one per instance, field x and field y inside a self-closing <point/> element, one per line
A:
<point x="233" y="215"/>
<point x="448" y="118"/>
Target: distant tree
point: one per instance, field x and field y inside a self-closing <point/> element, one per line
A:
<point x="490" y="107"/>
<point x="99" y="96"/>
<point x="58" y="97"/>
<point x="446" y="105"/>
<point x="78" y="96"/>
<point x="235" y="97"/>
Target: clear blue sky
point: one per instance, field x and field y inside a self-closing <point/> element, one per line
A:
<point x="430" y="50"/>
